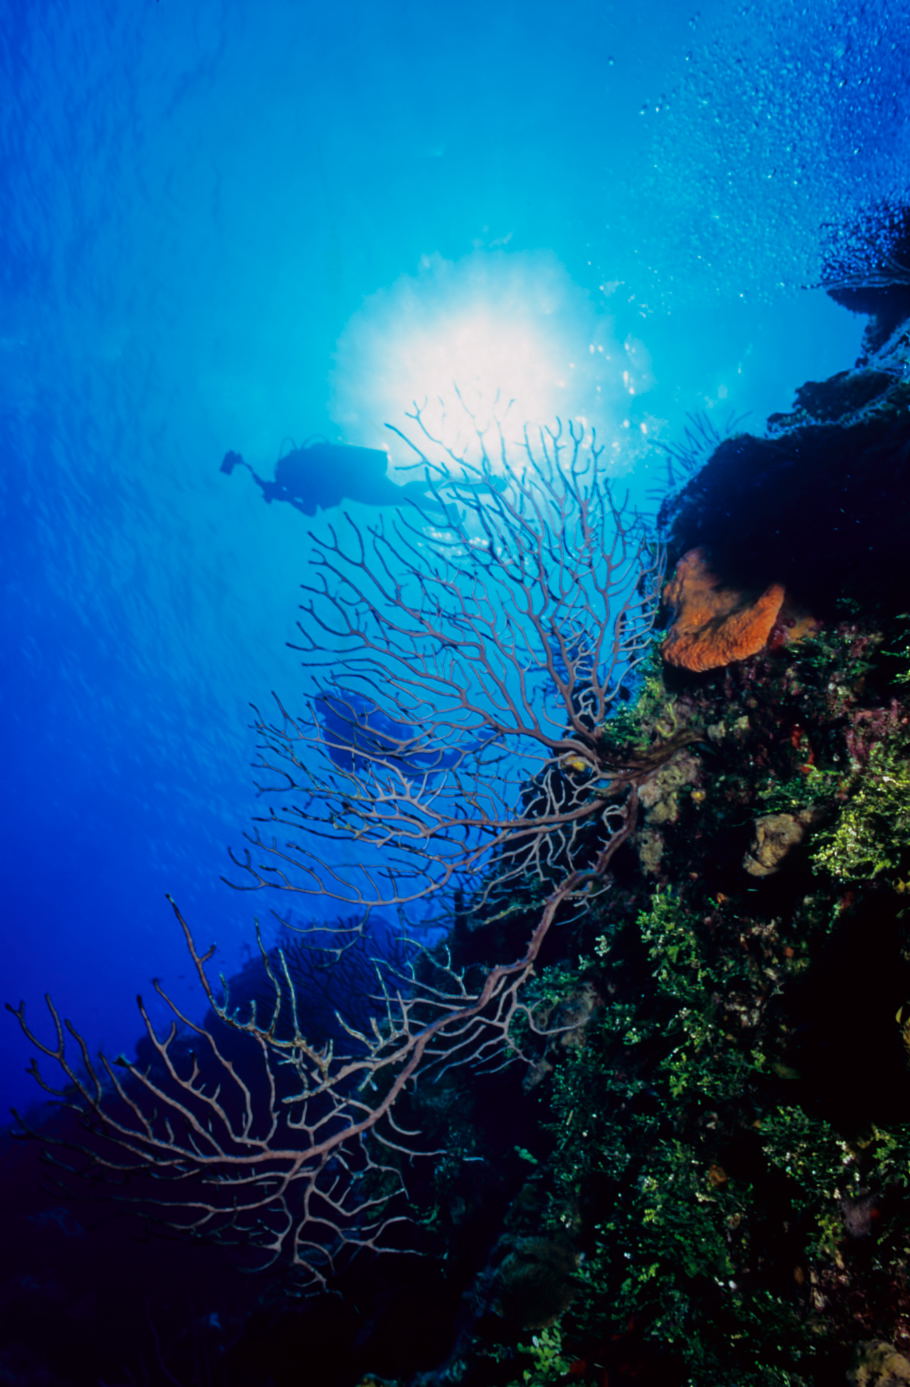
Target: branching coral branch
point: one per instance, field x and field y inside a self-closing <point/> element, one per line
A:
<point x="454" y="747"/>
<point x="462" y="678"/>
<point x="243" y="1130"/>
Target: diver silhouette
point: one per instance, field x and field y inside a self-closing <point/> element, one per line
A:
<point x="360" y="736"/>
<point x="322" y="474"/>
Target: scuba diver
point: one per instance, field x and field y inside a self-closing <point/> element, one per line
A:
<point x="322" y="474"/>
<point x="359" y="737"/>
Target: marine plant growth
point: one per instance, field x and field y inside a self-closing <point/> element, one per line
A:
<point x="730" y="1135"/>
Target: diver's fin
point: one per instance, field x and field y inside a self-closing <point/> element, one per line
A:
<point x="230" y="461"/>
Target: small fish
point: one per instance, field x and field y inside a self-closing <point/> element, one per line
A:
<point x="578" y="765"/>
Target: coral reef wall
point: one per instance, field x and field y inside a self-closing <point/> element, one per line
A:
<point x="716" y="1181"/>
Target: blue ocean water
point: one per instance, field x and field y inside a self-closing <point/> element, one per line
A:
<point x="228" y="225"/>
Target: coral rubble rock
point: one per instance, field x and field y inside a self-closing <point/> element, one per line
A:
<point x="879" y="1365"/>
<point x="775" y="835"/>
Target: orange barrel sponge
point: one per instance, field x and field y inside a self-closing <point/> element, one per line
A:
<point x="715" y="625"/>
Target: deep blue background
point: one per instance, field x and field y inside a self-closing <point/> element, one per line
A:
<point x="224" y="224"/>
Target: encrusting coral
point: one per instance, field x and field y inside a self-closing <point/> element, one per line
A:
<point x="714" y="624"/>
<point x="774" y="836"/>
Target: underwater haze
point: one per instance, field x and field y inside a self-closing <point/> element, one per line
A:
<point x="228" y="226"/>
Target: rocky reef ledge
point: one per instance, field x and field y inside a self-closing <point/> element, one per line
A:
<point x="716" y="1148"/>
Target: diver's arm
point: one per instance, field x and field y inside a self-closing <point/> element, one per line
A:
<point x="271" y="491"/>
